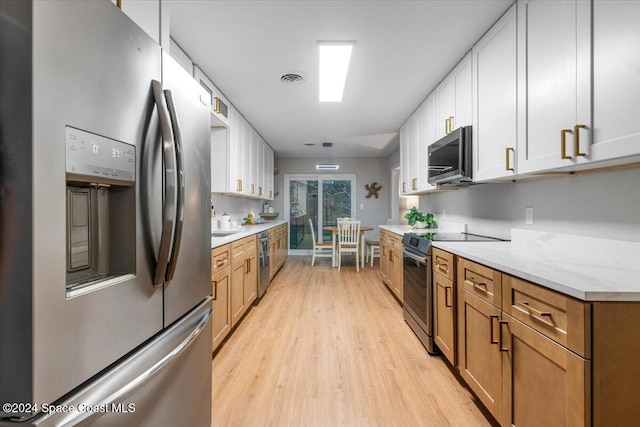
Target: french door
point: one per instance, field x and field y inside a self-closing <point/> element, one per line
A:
<point x="319" y="198"/>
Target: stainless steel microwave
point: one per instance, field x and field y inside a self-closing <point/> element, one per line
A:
<point x="450" y="159"/>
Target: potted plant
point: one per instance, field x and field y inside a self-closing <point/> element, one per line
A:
<point x="419" y="220"/>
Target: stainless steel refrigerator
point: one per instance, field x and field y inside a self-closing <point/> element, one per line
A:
<point x="104" y="225"/>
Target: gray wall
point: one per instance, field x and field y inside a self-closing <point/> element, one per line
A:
<point x="600" y="204"/>
<point x="367" y="170"/>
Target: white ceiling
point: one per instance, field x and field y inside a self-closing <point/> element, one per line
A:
<point x="403" y="50"/>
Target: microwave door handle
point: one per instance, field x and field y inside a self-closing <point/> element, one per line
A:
<point x="177" y="234"/>
<point x="440" y="168"/>
<point x="169" y="202"/>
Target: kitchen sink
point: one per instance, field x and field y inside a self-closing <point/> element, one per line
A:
<point x="225" y="232"/>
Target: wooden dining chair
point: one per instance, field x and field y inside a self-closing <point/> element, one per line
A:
<point x="349" y="240"/>
<point x="320" y="249"/>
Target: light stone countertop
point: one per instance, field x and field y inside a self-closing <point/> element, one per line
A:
<point x="586" y="268"/>
<point x="244" y="231"/>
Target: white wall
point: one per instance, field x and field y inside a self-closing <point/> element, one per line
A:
<point x="600" y="204"/>
<point x="367" y="170"/>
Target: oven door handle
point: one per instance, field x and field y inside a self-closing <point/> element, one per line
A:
<point x="422" y="260"/>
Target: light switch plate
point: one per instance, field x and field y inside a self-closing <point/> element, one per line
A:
<point x="528" y="216"/>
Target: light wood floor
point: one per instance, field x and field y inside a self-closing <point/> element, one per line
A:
<point x="325" y="348"/>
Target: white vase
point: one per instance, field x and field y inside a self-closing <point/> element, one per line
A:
<point x="420" y="224"/>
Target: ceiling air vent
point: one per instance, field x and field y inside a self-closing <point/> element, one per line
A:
<point x="291" y="79"/>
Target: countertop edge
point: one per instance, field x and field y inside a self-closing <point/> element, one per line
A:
<point x="245" y="232"/>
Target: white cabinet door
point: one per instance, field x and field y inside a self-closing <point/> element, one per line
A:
<point x="262" y="166"/>
<point x="453" y="99"/>
<point x="270" y="171"/>
<point x="616" y="79"/>
<point x="427" y="136"/>
<point x="554" y="83"/>
<point x="495" y="101"/>
<point x="412" y="153"/>
<point x="405" y="184"/>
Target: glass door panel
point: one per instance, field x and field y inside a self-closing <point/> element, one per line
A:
<point x="321" y="198"/>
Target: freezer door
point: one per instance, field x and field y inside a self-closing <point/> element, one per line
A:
<point x="166" y="382"/>
<point x="189" y="271"/>
<point x="92" y="70"/>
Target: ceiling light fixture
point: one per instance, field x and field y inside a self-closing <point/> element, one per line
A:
<point x="327" y="166"/>
<point x="334" y="64"/>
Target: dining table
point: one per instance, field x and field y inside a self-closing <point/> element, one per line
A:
<point x="334" y="233"/>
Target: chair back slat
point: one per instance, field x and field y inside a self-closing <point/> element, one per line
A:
<point x="348" y="232"/>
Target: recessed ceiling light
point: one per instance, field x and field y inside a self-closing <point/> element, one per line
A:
<point x="334" y="65"/>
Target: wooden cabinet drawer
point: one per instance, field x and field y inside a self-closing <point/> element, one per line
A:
<point x="481" y="281"/>
<point x="561" y="318"/>
<point x="443" y="263"/>
<point x="220" y="258"/>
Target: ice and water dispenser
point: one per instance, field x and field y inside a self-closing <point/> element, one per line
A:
<point x="101" y="211"/>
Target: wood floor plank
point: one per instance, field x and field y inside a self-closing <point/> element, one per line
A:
<point x="329" y="348"/>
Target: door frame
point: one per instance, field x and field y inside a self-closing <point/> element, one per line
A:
<point x="315" y="177"/>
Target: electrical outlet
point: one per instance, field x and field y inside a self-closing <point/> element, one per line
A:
<point x="528" y="216"/>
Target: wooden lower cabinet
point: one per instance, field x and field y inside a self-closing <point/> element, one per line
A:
<point x="536" y="357"/>
<point x="444" y="303"/>
<point x="391" y="261"/>
<point x="278" y="251"/>
<point x="220" y="290"/>
<point x="444" y="316"/>
<point x="244" y="278"/>
<point x="543" y="383"/>
<point x="479" y="358"/>
<point x="221" y="309"/>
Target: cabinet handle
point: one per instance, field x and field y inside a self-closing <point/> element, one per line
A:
<point x="221" y="262"/>
<point x="491" y="319"/>
<point x="563" y="143"/>
<point x="446" y="296"/>
<point x="403" y="187"/>
<point x="446" y="126"/>
<point x="271" y="194"/>
<point x="450" y="124"/>
<point x="214" y="283"/>
<point x="252" y="189"/>
<point x="259" y="191"/>
<point x="238" y="185"/>
<point x="530" y="310"/>
<point x="576" y="140"/>
<point x="414" y="184"/>
<point x="482" y="287"/>
<point x="500" y="323"/>
<point x="508" y="158"/>
<point x="442" y="266"/>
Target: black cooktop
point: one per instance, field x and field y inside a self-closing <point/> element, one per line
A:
<point x="420" y="241"/>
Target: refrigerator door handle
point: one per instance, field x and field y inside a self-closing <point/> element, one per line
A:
<point x="177" y="234"/>
<point x="169" y="202"/>
<point x="116" y="384"/>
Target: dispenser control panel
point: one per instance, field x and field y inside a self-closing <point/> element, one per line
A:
<point x="91" y="155"/>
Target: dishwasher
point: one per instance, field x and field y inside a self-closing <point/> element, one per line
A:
<point x="264" y="280"/>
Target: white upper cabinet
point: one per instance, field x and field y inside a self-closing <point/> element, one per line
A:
<point x="616" y="80"/>
<point x="427" y="136"/>
<point x="220" y="106"/>
<point x="554" y="81"/>
<point x="495" y="101"/>
<point x="453" y="99"/>
<point x="405" y="181"/>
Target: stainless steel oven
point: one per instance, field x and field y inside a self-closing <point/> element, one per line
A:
<point x="417" y="288"/>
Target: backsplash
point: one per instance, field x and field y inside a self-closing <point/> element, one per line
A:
<point x="600" y="204"/>
<point x="236" y="207"/>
